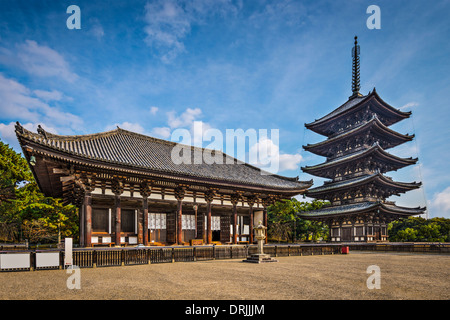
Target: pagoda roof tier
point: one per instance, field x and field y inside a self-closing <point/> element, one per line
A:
<point x="376" y="178"/>
<point x="381" y="158"/>
<point x="380" y="208"/>
<point x="386" y="137"/>
<point x="123" y="152"/>
<point x="375" y="105"/>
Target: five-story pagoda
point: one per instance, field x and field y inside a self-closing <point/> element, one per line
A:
<point x="358" y="136"/>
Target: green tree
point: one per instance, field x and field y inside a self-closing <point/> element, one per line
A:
<point x="416" y="229"/>
<point x="13" y="171"/>
<point x="407" y="234"/>
<point x="25" y="213"/>
<point x="286" y="225"/>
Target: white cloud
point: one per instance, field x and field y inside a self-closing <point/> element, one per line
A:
<point x="161" y="132"/>
<point x="290" y="161"/>
<point x="43" y="61"/>
<point x="17" y="101"/>
<point x="53" y="95"/>
<point x="97" y="29"/>
<point x="168" y="22"/>
<point x="440" y="204"/>
<point x="22" y="104"/>
<point x="8" y="134"/>
<point x="134" y="127"/>
<point x="408" y="106"/>
<point x="266" y="155"/>
<point x="153" y="110"/>
<point x="186" y="119"/>
<point x="289" y="12"/>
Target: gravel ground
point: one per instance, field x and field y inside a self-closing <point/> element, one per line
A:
<point x="403" y="276"/>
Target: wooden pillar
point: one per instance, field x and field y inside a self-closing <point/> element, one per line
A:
<point x="145" y="214"/>
<point x="118" y="219"/>
<point x="251" y="224"/>
<point x="179" y="221"/>
<point x="179" y="195"/>
<point x="88" y="218"/>
<point x="209" y="196"/>
<point x="145" y="190"/>
<point x="195" y="207"/>
<point x="84" y="186"/>
<point x="208" y="223"/>
<point x="234" y="219"/>
<point x="251" y="202"/>
<point x="82" y="225"/>
<point x="117" y="187"/>
<point x="234" y="201"/>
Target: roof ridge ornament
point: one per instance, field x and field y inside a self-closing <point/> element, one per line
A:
<point x="355" y="71"/>
<point x="41" y="131"/>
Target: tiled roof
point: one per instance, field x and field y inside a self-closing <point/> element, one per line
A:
<point x="126" y="148"/>
<point x="346" y="106"/>
<point x="393" y="137"/>
<point x="374" y="150"/>
<point x="353" y="102"/>
<point x="362" y="180"/>
<point x="366" y="206"/>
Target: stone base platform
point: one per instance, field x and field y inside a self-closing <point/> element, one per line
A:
<point x="259" y="258"/>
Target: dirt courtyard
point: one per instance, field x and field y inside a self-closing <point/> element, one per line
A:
<point x="402" y="276"/>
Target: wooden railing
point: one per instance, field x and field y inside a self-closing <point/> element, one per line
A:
<point x="439" y="248"/>
<point x="106" y="257"/>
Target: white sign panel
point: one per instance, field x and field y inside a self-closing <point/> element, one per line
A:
<point x="14" y="260"/>
<point x="47" y="259"/>
<point x="68" y="258"/>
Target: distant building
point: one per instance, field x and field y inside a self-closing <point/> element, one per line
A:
<point x="358" y="134"/>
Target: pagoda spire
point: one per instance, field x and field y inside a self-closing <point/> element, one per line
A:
<point x="355" y="71"/>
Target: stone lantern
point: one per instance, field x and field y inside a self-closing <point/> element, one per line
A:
<point x="260" y="257"/>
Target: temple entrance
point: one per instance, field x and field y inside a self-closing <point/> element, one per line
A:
<point x="346" y="234"/>
<point x="377" y="234"/>
<point x="215" y="235"/>
<point x="157" y="227"/>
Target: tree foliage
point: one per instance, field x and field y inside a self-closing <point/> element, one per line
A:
<point x="417" y="229"/>
<point x="284" y="224"/>
<point x="25" y="213"/>
<point x="13" y="171"/>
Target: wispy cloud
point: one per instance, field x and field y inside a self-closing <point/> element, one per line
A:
<point x="39" y="60"/>
<point x="169" y="22"/>
<point x="266" y="154"/>
<point x="153" y="110"/>
<point x="408" y="106"/>
<point x="96" y="29"/>
<point x="440" y="204"/>
<point x="186" y="119"/>
<point x="23" y="104"/>
<point x="130" y="126"/>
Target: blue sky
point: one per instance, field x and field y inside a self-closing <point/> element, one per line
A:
<point x="155" y="66"/>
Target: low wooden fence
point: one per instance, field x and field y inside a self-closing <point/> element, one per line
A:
<point x="437" y="248"/>
<point x="107" y="257"/>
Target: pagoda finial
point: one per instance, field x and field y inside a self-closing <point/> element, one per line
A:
<point x="355" y="70"/>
